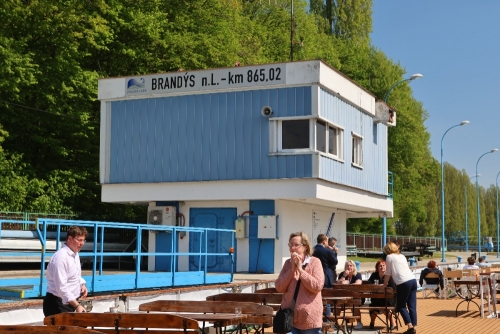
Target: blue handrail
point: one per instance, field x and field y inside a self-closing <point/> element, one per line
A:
<point x="140" y="279"/>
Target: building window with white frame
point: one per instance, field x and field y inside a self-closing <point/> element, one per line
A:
<point x="329" y="139"/>
<point x="357" y="150"/>
<point x="299" y="135"/>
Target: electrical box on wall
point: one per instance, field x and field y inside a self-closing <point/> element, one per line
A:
<point x="162" y="215"/>
<point x="266" y="228"/>
<point x="240" y="230"/>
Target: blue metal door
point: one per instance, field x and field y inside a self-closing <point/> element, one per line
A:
<point x="216" y="218"/>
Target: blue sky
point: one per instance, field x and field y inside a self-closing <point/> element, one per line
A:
<point x="456" y="46"/>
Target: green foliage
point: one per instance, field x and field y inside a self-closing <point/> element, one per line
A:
<point x="52" y="54"/>
<point x="347" y="19"/>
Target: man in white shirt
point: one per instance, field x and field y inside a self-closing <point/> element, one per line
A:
<point x="481" y="263"/>
<point x="64" y="276"/>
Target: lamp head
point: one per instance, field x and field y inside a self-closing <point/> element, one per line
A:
<point x="464" y="122"/>
<point x="416" y="76"/>
<point x="494" y="150"/>
<point x="478" y="175"/>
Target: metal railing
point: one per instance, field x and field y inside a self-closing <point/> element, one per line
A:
<point x="98" y="253"/>
<point x="374" y="241"/>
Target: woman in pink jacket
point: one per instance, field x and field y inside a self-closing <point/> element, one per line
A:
<point x="308" y="310"/>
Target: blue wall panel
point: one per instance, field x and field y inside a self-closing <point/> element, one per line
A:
<point x="182" y="135"/>
<point x="150" y="137"/>
<point x="214" y="138"/>
<point x="240" y="127"/>
<point x="190" y="140"/>
<point x="205" y="137"/>
<point x="373" y="175"/>
<point x="198" y="137"/>
<point x="158" y="147"/>
<point x="136" y="139"/>
<point x="247" y="135"/>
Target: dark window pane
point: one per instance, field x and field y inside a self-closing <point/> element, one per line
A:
<point x="332" y="141"/>
<point x="321" y="136"/>
<point x="295" y="134"/>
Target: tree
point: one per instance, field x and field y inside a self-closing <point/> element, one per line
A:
<point x="347" y="19"/>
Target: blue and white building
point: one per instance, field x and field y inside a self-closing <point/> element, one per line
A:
<point x="266" y="150"/>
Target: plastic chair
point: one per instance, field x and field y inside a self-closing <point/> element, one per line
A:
<point x="449" y="277"/>
<point x="426" y="286"/>
<point x="471" y="273"/>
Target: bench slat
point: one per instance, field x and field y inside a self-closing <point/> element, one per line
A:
<point x="111" y="320"/>
<point x="24" y="329"/>
<point x="204" y="307"/>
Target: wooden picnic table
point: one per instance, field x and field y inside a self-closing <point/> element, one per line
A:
<point x="220" y="314"/>
<point x="129" y="323"/>
<point x="340" y="304"/>
<point x="219" y="320"/>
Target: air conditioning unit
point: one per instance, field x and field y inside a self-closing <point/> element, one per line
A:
<point x="162" y="215"/>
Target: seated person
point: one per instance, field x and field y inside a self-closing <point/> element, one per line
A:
<point x="351" y="276"/>
<point x="482" y="263"/>
<point x="379" y="275"/>
<point x="470" y="263"/>
<point x="431" y="268"/>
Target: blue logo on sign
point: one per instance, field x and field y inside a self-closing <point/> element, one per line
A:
<point x="136" y="85"/>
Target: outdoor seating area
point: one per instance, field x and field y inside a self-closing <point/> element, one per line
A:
<point x="472" y="308"/>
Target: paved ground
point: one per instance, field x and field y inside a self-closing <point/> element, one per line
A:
<point x="438" y="316"/>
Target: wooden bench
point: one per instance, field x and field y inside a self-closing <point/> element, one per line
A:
<point x="255" y="313"/>
<point x="127" y="323"/>
<point x="272" y="300"/>
<point x="266" y="290"/>
<point x="366" y="291"/>
<point x="25" y="329"/>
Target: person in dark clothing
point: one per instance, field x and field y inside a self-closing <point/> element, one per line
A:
<point x="327" y="258"/>
<point x="332" y="244"/>
<point x="431" y="268"/>
<point x="379" y="276"/>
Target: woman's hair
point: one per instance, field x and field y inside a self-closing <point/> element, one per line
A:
<point x="379" y="262"/>
<point x="305" y="241"/>
<point x="354" y="271"/>
<point x="471" y="260"/>
<point x="431" y="264"/>
<point x="391" y="248"/>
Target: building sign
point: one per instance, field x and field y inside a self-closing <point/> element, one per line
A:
<point x="227" y="78"/>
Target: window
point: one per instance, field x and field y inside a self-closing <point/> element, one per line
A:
<point x="298" y="135"/>
<point x="357" y="150"/>
<point x="295" y="134"/>
<point x="329" y="139"/>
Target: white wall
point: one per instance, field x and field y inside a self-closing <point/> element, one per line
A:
<point x="311" y="219"/>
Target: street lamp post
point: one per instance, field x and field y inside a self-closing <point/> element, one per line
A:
<point x="443" y="259"/>
<point x="386" y="97"/>
<point x="467" y="214"/>
<point x="478" y="209"/>
<point x="498" y="225"/>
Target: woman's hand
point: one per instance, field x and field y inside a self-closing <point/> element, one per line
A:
<point x="296" y="263"/>
<point x="293" y="260"/>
